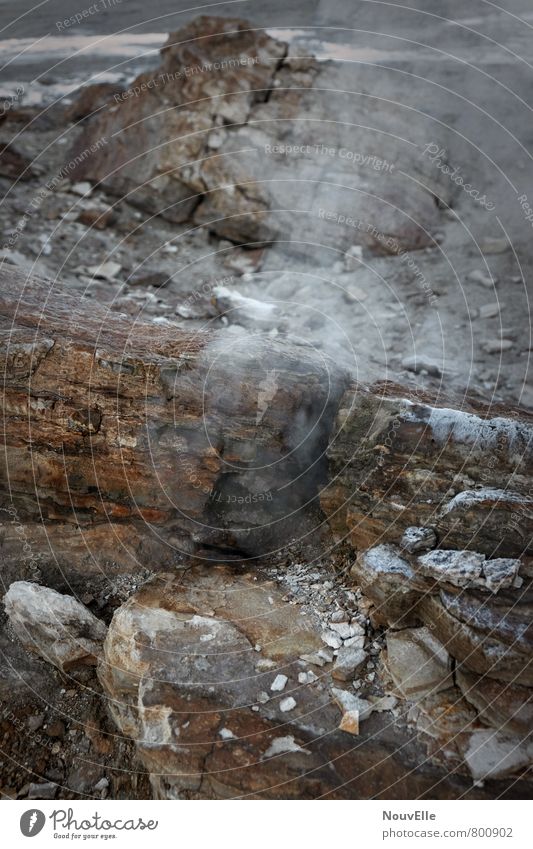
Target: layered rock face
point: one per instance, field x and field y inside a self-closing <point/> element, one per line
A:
<point x="228" y="132"/>
<point x="144" y="441"/>
<point x="231" y="690"/>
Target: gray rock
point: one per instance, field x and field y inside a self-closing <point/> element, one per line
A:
<point x="54" y="626"/>
<point x="483" y="277"/>
<point x="421" y="362"/>
<point x="46" y="790"/>
<point x="469" y="569"/>
<point x="497" y="346"/>
<point x="418" y="663"/>
<point x="416" y="540"/>
<point x="349" y="661"/>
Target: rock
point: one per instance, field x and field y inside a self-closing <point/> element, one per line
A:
<point x="346" y="631"/>
<point x="98" y="217"/>
<point x="479" y="276"/>
<point x="460" y="568"/>
<point x="489" y="310"/>
<point x="232" y="65"/>
<point x="504" y="706"/>
<point x="57" y="627"/>
<point x="279" y="683"/>
<point x="389" y="580"/>
<point x="90" y="100"/>
<point x="247" y="312"/>
<point x="105" y="271"/>
<point x="102" y="784"/>
<point x="416" y="540"/>
<point x="46" y="790"/>
<point x="282" y="745"/>
<point x="418" y="664"/>
<point x="34" y="722"/>
<point x="421" y="362"/>
<point x="493" y="639"/>
<point x="475" y="514"/>
<point x="331" y="639"/>
<point x="354" y="710"/>
<point x="468" y="569"/>
<point x="14" y="165"/>
<point x="287" y="704"/>
<point x="176" y="711"/>
<point x="349" y="661"/>
<point x="492" y="754"/>
<point x="55" y="729"/>
<point x="81" y="189"/>
<point x="494" y="246"/>
<point x="350" y="722"/>
<point x="497" y="346"/>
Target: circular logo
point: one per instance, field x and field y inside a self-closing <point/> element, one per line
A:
<point x="32" y="822"/>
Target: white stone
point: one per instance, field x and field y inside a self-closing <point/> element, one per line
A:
<point x="278" y="684"/>
<point x="55" y="626"/>
<point x="226" y="734"/>
<point x="282" y="745"/>
<point x="331" y="639"/>
<point x="287" y="704"/>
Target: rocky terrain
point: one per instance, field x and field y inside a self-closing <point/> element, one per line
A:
<point x="266" y="479"/>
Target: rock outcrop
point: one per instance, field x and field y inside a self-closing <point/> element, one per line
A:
<point x="226" y="686"/>
<point x="233" y="132"/>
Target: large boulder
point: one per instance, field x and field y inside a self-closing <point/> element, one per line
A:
<point x="57" y="627"/>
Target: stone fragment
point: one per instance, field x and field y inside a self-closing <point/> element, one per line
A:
<point x="489" y="310"/>
<point x="418" y="664"/>
<point x="35" y="722"/>
<point x="504" y="706"/>
<point x="494" y="246"/>
<point x="460" y="568"/>
<point x="287" y="704"/>
<point x="493" y="639"/>
<point x="282" y="745"/>
<point x="417" y="540"/>
<point x="226" y="734"/>
<point x="421" y="362"/>
<point x="279" y="683"/>
<point x="347" y="631"/>
<point x="348" y="663"/>
<point x="479" y="276"/>
<point x="348" y="702"/>
<point x="331" y="639"/>
<point x="493" y="754"/>
<point x="350" y="722"/>
<point x="106" y="270"/>
<point x="55" y="626"/>
<point x="46" y="790"/>
<point x="497" y="346"/>
<point x="389" y="580"/>
<point x="469" y="569"/>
